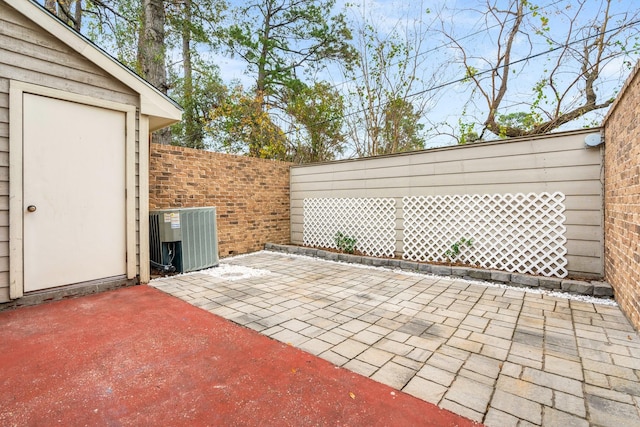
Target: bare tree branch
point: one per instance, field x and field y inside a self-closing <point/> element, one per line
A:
<point x="568" y="89"/>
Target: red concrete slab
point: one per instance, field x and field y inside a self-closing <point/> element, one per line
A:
<point x="137" y="356"/>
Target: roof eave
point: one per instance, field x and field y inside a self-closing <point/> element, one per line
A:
<point x="162" y="110"/>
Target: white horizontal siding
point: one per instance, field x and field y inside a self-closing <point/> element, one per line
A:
<point x="31" y="55"/>
<point x="559" y="162"/>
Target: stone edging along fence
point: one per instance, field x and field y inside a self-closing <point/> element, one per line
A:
<point x="579" y="287"/>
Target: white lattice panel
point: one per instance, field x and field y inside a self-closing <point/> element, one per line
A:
<point x="370" y="221"/>
<point x="520" y="233"/>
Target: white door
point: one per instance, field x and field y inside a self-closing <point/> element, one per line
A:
<point x="74" y="224"/>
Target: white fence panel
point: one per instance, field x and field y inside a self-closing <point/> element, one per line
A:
<point x="520" y="233"/>
<point x="371" y="221"/>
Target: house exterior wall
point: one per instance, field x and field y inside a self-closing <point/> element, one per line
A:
<point x="558" y="162"/>
<point x="31" y="55"/>
<point x="251" y="195"/>
<point x="622" y="198"/>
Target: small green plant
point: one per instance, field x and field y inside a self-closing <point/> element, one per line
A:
<point x="453" y="253"/>
<point x="345" y="243"/>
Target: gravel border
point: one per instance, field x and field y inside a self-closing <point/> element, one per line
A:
<point x="598" y="289"/>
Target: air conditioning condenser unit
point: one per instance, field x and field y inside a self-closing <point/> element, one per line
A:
<point x="185" y="239"/>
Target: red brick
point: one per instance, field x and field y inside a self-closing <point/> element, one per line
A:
<point x="622" y="198"/>
<point x="251" y="195"/>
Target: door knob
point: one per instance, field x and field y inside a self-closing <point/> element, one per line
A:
<point x="31" y="208"/>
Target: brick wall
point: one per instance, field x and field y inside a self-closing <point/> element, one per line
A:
<point x="622" y="198"/>
<point x="251" y="195"/>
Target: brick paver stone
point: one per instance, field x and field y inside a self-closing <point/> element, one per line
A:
<point x="570" y="404"/>
<point x="553" y="417"/>
<point x="469" y="393"/>
<point x="394" y="375"/>
<point x="525" y="390"/>
<point x="563" y="367"/>
<point x="495" y="417"/>
<point x="517" y="406"/>
<point x="425" y="390"/>
<point x="609" y="413"/>
<point x="375" y="356"/>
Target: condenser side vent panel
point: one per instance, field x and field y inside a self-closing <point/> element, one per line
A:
<point x="155" y="245"/>
<point x="185" y="238"/>
<point x="199" y="238"/>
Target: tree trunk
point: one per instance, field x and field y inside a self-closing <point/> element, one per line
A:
<point x="261" y="83"/>
<point x="193" y="138"/>
<point x="152" y="54"/>
<point x="77" y="24"/>
<point x="50" y="5"/>
<point x="62" y="9"/>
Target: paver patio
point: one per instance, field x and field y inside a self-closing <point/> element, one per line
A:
<point x="504" y="357"/>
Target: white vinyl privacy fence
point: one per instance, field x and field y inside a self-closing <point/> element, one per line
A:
<point x="529" y="204"/>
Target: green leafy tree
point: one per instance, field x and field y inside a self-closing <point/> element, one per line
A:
<point x="402" y="128"/>
<point x="240" y="125"/>
<point x="117" y="26"/>
<point x="318" y="114"/>
<point x="526" y="121"/>
<point x="279" y="40"/>
<point x="283" y="44"/>
<point x="208" y="91"/>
